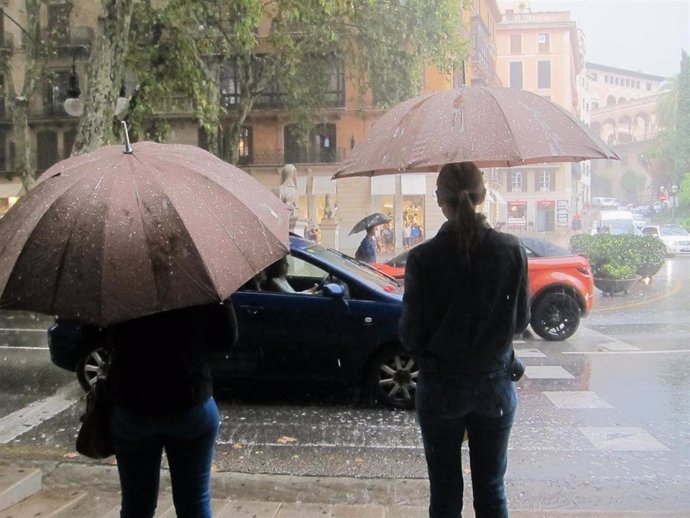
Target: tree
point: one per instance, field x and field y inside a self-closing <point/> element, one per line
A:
<point x="632" y="183"/>
<point x="183" y="47"/>
<point x="38" y="47"/>
<point x="105" y="75"/>
<point x="681" y="140"/>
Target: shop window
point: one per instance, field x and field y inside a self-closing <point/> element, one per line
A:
<point x="517" y="215"/>
<point x="413" y="220"/>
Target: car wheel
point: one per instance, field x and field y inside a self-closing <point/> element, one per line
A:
<point x="555" y="316"/>
<point x="90" y="366"/>
<point x="393" y="378"/>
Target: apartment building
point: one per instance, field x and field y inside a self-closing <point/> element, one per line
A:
<point x="268" y="140"/>
<point x="543" y="52"/>
<point x="623" y="114"/>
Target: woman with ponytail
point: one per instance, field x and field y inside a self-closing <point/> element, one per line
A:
<point x="466" y="295"/>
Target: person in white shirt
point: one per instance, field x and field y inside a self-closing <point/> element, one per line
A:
<point x="277" y="278"/>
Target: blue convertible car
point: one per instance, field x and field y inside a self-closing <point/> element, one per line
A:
<point x="346" y="330"/>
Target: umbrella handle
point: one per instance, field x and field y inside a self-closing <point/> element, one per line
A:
<point x="128" y="146"/>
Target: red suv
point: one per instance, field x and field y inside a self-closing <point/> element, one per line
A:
<point x="561" y="286"/>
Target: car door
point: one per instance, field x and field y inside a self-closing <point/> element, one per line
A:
<point x="290" y="335"/>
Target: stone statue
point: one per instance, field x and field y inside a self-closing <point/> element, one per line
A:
<point x="287" y="191"/>
<point x="329" y="207"/>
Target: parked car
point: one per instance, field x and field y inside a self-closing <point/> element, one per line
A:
<point x="347" y="331"/>
<point x="675" y="238"/>
<point x="561" y="286"/>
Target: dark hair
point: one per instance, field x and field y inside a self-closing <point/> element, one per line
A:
<point x="460" y="185"/>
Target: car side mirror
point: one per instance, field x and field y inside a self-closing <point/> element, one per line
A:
<point x="333" y="290"/>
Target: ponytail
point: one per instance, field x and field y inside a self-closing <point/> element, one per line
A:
<point x="461" y="186"/>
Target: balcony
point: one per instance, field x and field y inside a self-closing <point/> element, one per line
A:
<point x="297" y="156"/>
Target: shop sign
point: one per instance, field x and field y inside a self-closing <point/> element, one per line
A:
<point x="562" y="213"/>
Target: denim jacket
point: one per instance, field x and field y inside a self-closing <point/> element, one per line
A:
<point x="460" y="318"/>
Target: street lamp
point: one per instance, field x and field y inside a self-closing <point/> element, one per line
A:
<point x="74" y="106"/>
<point x="674" y="193"/>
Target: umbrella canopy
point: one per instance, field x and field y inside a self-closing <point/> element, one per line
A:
<point x="492" y="127"/>
<point x="109" y="236"/>
<point x="371" y="220"/>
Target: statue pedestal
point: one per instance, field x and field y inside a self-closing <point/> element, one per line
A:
<point x="298" y="226"/>
<point x="329" y="233"/>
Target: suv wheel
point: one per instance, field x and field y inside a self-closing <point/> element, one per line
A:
<point x="393" y="378"/>
<point x="90" y="366"/>
<point x="555" y="316"/>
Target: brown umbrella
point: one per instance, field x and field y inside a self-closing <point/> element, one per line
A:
<point x="493" y="127"/>
<point x="108" y="236"/>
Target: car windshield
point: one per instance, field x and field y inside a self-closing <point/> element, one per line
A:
<point x="353" y="266"/>
<point x="541" y="248"/>
<point x="673" y="230"/>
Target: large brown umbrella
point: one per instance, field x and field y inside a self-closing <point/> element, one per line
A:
<point x="108" y="236"/>
<point x="493" y="127"/>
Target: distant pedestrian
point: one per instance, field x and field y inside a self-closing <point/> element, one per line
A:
<point x="465" y="297"/>
<point x="366" y="252"/>
<point x="577" y="222"/>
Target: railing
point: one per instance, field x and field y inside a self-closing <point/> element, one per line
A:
<point x="297" y="157"/>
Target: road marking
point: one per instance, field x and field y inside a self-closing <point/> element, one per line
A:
<point x="666" y="351"/>
<point x="23" y="330"/>
<point x="623" y="438"/>
<point x="573" y="399"/>
<point x="25" y="347"/>
<point x="17" y="423"/>
<point x="547" y="372"/>
<point x="529" y="353"/>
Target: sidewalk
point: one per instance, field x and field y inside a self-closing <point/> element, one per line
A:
<point x="76" y="490"/>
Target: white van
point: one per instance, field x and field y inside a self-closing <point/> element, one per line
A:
<point x="614" y="222"/>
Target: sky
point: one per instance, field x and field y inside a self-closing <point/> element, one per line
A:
<point x="640" y="35"/>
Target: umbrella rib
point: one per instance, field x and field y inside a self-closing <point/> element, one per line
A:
<point x="182" y="269"/>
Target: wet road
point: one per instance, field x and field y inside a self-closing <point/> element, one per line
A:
<point x="603" y="422"/>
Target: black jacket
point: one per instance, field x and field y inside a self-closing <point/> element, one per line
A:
<point x="460" y="318"/>
<point x="159" y="360"/>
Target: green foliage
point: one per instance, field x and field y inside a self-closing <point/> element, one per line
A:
<point x="620" y="257"/>
<point x="180" y="48"/>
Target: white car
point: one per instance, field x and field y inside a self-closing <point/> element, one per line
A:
<point x="675" y="237"/>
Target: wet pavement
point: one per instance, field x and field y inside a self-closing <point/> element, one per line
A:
<point x="602" y="429"/>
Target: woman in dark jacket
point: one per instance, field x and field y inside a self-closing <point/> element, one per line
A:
<point x="466" y="295"/>
<point x="162" y="393"/>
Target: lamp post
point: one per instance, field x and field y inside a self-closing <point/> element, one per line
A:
<point x="74" y="106"/>
<point x="674" y="194"/>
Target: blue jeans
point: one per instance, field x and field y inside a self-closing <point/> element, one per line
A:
<point x="484" y="407"/>
<point x="188" y="438"/>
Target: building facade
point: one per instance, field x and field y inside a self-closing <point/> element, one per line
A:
<point x="543" y="52"/>
<point x="623" y="114"/>
<point x="268" y="141"/>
